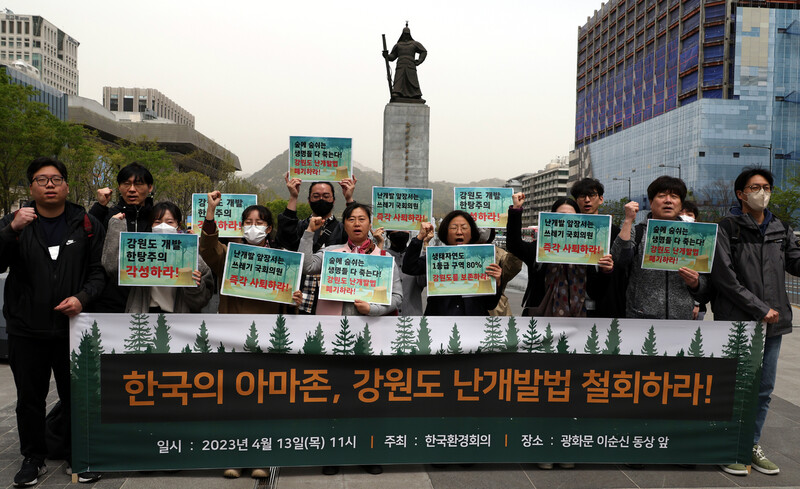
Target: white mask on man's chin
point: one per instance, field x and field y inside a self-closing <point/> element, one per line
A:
<point x="686" y="218"/>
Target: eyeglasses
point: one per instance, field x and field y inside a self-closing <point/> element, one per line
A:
<point x="42" y="180"/>
<point x="588" y="196"/>
<point x="455" y="227"/>
<point x="127" y="185"/>
<point x="756" y="188"/>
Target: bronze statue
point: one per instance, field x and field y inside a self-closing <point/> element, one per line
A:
<point x="406" y="84"/>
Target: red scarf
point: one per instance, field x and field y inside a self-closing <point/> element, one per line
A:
<point x="365" y="249"/>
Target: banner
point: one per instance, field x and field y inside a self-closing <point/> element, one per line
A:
<point x="351" y="276"/>
<point x="573" y="238"/>
<point x="670" y="245"/>
<point x="266" y="274"/>
<point x="330" y="390"/>
<point x="401" y="209"/>
<point x="320" y="159"/>
<point x="164" y="260"/>
<point x="487" y="205"/>
<point x="459" y="270"/>
<point x="228" y="213"/>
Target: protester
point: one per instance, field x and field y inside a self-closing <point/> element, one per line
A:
<point x="53" y="249"/>
<point x="167" y="218"/>
<point x="754" y="248"/>
<point x="256" y="226"/>
<point x="357" y="219"/>
<point x="691" y="213"/>
<point x="135" y="186"/>
<point x="457" y="228"/>
<point x="321" y="198"/>
<point x="656" y="294"/>
<point x="554" y="290"/>
<point x="413" y="285"/>
<point x="608" y="301"/>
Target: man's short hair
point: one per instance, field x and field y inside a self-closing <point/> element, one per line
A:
<point x="587" y="186"/>
<point x="136" y="170"/>
<point x="666" y="183"/>
<point x="749" y="172"/>
<point x="333" y="192"/>
<point x="690" y="206"/>
<point x="42" y="162"/>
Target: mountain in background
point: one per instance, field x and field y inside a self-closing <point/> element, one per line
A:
<point x="272" y="177"/>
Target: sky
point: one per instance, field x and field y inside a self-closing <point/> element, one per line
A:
<point x="499" y="78"/>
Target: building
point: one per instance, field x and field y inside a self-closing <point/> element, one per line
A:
<point x="543" y="188"/>
<point x="140" y="104"/>
<point x="692" y="89"/>
<point x="22" y="73"/>
<point x="47" y="48"/>
<point x="191" y="150"/>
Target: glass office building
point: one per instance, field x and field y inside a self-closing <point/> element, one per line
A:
<point x="681" y="87"/>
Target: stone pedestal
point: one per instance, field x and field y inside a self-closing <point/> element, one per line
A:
<point x="406" y="137"/>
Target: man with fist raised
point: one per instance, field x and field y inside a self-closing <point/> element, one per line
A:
<point x="53" y="249"/>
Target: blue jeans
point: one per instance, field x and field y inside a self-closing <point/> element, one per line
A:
<point x="769" y="370"/>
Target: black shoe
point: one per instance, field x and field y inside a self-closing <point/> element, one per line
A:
<point x="30" y="471"/>
<point x="89" y="477"/>
<point x="373" y="469"/>
<point x="330" y="470"/>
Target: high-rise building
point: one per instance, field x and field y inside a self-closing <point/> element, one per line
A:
<point x="689" y="88"/>
<point x="139" y="104"/>
<point x="36" y="41"/>
<point x="543" y="188"/>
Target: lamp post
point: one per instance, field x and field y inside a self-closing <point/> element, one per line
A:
<point x="748" y="145"/>
<point x="662" y="165"/>
<point x="629" y="185"/>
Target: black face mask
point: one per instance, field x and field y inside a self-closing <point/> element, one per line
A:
<point x="398" y="241"/>
<point x="321" y="207"/>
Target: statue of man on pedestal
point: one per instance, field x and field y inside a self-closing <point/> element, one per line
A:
<point x="405" y="88"/>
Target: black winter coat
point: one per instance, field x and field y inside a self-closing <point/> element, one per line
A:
<point x="36" y="283"/>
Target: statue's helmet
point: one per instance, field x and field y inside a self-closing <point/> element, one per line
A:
<point x="406" y="35"/>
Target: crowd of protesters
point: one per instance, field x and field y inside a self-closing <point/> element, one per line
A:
<point x="78" y="252"/>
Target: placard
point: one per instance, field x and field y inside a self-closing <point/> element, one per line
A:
<point x="401" y="209"/>
<point x="460" y="270"/>
<point x="670" y="245"/>
<point x="266" y="274"/>
<point x="228" y="213"/>
<point x="164" y="260"/>
<point x="487" y="205"/>
<point x="233" y="390"/>
<point x="320" y="159"/>
<point x="351" y="276"/>
<point x="574" y="239"/>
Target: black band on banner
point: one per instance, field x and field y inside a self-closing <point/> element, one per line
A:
<point x="197" y="387"/>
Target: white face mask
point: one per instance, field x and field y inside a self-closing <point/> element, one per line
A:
<point x="686" y="218"/>
<point x="165" y="228"/>
<point x="758" y="201"/>
<point x="254" y="234"/>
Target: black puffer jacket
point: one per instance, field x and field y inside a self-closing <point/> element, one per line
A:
<point x="36" y="283"/>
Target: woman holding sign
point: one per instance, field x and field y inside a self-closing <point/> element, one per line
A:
<point x="457" y="228"/>
<point x="357" y="219"/>
<point x="256" y="226"/>
<point x="554" y="290"/>
<point x="166" y="219"/>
